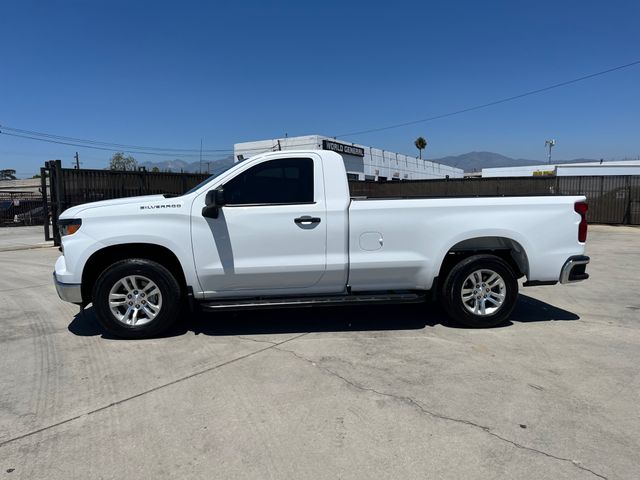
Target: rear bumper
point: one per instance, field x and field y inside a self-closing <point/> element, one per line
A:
<point x="574" y="269"/>
<point x="69" y="292"/>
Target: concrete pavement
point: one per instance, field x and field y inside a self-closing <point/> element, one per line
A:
<point x="22" y="238"/>
<point x="392" y="392"/>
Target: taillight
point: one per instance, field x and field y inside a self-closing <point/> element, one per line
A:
<point x="581" y="208"/>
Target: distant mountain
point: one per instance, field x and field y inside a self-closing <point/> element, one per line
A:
<point x="476" y="161"/>
<point x="215" y="167"/>
<point x="469" y="162"/>
<point x="173" y="165"/>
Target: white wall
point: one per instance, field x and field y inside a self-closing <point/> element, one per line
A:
<point x="396" y="165"/>
<point x="31" y="185"/>
<point x="525" y="171"/>
<point x="376" y="162"/>
<point x="604" y="169"/>
<point x="626" y="167"/>
<point x="249" y="149"/>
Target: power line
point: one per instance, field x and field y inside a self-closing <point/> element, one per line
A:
<point x="105" y="144"/>
<point x="496" y="102"/>
<point x="132" y="149"/>
<point x="184" y="152"/>
<point x="95" y="147"/>
<point x="116" y="147"/>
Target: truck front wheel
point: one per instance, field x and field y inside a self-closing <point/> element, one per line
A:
<point x="136" y="298"/>
<point x="480" y="291"/>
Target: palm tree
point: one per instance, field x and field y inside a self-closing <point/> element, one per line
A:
<point x="421" y="144"/>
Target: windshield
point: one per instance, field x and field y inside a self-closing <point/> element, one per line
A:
<point x="208" y="179"/>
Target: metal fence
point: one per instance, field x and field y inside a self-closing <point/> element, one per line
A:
<point x="21" y="208"/>
<point x="612" y="199"/>
<point x="69" y="187"/>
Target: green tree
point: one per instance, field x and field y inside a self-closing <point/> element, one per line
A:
<point x="7" y="174"/>
<point x="421" y="144"/>
<point x="155" y="169"/>
<point x="120" y="162"/>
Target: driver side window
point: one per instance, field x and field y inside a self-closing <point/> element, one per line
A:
<point x="281" y="181"/>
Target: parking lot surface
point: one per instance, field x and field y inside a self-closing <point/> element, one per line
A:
<point x="353" y="393"/>
<point x="22" y="238"/>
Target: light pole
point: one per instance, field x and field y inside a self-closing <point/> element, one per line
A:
<point x="549" y="143"/>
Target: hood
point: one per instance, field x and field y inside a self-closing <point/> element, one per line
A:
<point x="73" y="212"/>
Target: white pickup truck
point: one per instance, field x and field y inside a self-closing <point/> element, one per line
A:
<point x="281" y="229"/>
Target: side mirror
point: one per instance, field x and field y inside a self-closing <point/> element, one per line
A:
<point x="213" y="201"/>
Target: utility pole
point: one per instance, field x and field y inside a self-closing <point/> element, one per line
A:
<point x="550" y="143"/>
<point x="208" y="163"/>
<point x="77" y="157"/>
<point x="200" y="155"/>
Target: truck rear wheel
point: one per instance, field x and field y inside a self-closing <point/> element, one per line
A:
<point x="480" y="291"/>
<point x="136" y="298"/>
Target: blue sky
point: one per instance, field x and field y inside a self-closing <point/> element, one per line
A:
<point x="166" y="74"/>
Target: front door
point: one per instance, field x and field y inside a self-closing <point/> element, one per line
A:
<point x="270" y="235"/>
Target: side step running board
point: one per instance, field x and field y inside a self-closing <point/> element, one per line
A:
<point x="325" y="301"/>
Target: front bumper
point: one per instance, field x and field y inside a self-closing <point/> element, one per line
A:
<point x="574" y="269"/>
<point x="69" y="292"/>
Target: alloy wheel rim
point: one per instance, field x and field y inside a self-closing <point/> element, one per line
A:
<point x="483" y="292"/>
<point x="135" y="300"/>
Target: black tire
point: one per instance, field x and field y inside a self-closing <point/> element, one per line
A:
<point x="167" y="314"/>
<point x="452" y="292"/>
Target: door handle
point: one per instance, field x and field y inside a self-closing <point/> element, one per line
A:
<point x="306" y="220"/>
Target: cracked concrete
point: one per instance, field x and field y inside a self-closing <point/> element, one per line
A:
<point x="384" y="392"/>
<point x="150" y="390"/>
<point x="413" y="402"/>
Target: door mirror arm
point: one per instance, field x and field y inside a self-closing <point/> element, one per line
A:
<point x="213" y="202"/>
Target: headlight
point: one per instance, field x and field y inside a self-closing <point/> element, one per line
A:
<point x="69" y="226"/>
